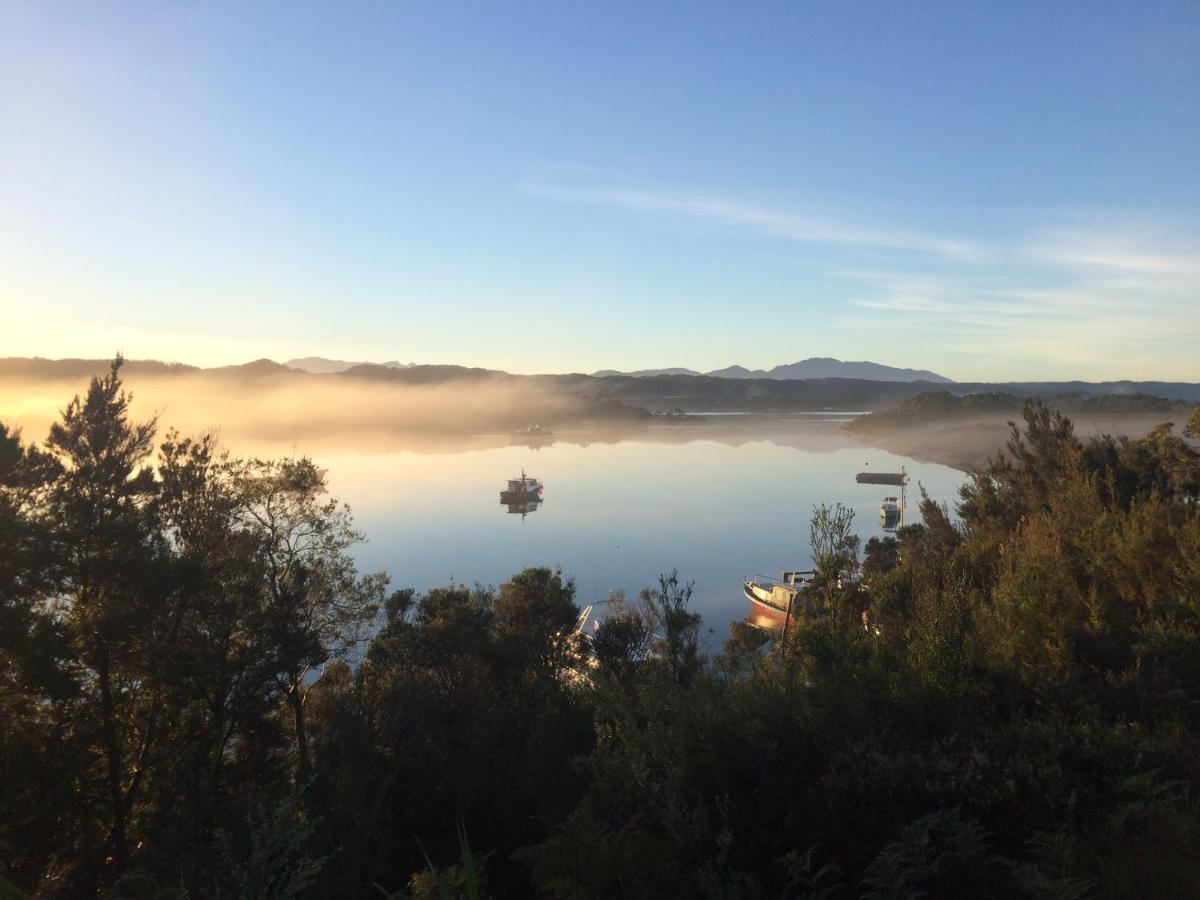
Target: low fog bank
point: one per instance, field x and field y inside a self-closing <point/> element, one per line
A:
<point x="263" y="406"/>
<point x="286" y="407"/>
<point x="275" y="414"/>
<point x="967" y="444"/>
<point x="278" y="411"/>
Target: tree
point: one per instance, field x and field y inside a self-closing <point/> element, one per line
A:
<point x="108" y="595"/>
<point x="318" y="608"/>
<point x="227" y="749"/>
<point x="36" y="683"/>
<point x="27" y="570"/>
<point x="880" y="556"/>
<point x="622" y="640"/>
<point x="535" y="617"/>
<point x="834" y="544"/>
<point x="677" y="636"/>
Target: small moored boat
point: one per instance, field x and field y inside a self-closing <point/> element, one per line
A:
<point x="521" y="490"/>
<point x="891" y="513"/>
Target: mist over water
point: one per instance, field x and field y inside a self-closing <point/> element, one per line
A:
<point x="248" y="409"/>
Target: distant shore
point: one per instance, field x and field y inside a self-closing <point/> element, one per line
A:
<point x="967" y="444"/>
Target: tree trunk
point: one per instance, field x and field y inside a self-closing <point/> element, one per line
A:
<point x="296" y="699"/>
<point x="112" y="751"/>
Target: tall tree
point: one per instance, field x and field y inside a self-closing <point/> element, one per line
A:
<point x="108" y="551"/>
<point x="318" y="609"/>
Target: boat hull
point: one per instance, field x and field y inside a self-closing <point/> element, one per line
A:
<point x="767" y="600"/>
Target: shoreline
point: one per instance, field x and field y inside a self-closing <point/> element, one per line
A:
<point x="969" y="444"/>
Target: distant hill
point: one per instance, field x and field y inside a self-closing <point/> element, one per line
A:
<point x="39" y="367"/>
<point x="254" y="368"/>
<point x="690" y="392"/>
<point x="816" y="367"/>
<point x="710" y="393"/>
<point x="414" y="374"/>
<point x="941" y="406"/>
<point x="733" y="372"/>
<point x="319" y="365"/>
<point x="644" y="373"/>
<point x="827" y="367"/>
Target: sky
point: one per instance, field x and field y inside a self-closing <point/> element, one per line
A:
<point x="1005" y="191"/>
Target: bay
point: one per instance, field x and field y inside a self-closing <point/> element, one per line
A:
<point x="719" y="503"/>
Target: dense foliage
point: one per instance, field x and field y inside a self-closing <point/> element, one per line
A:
<point x="201" y="697"/>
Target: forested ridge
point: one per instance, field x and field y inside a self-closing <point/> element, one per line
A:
<point x="934" y="406"/>
<point x="200" y="695"/>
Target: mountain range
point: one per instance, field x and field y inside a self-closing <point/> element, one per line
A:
<point x="319" y="365"/>
<point x="685" y="391"/>
<point x="814" y="367"/>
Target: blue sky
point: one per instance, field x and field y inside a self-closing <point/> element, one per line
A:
<point x="994" y="191"/>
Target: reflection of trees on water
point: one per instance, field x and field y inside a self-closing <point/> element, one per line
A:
<point x="532" y="441"/>
<point x="820" y="436"/>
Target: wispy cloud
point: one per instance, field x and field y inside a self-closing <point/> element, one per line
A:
<point x="1116" y="298"/>
<point x="1168" y="261"/>
<point x="1102" y="292"/>
<point x="781" y="223"/>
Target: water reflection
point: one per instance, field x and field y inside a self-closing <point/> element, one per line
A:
<point x="798" y="432"/>
<point x="533" y="443"/>
<point x="523" y="508"/>
<point x="534" y="437"/>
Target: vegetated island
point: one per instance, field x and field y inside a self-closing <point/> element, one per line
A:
<point x="966" y="431"/>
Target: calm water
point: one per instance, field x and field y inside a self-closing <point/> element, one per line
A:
<point x="718" y="503"/>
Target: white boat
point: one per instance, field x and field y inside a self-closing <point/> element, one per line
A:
<point x="891" y="513"/>
<point x="891" y="510"/>
<point x="775" y="596"/>
<point x="521" y="490"/>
